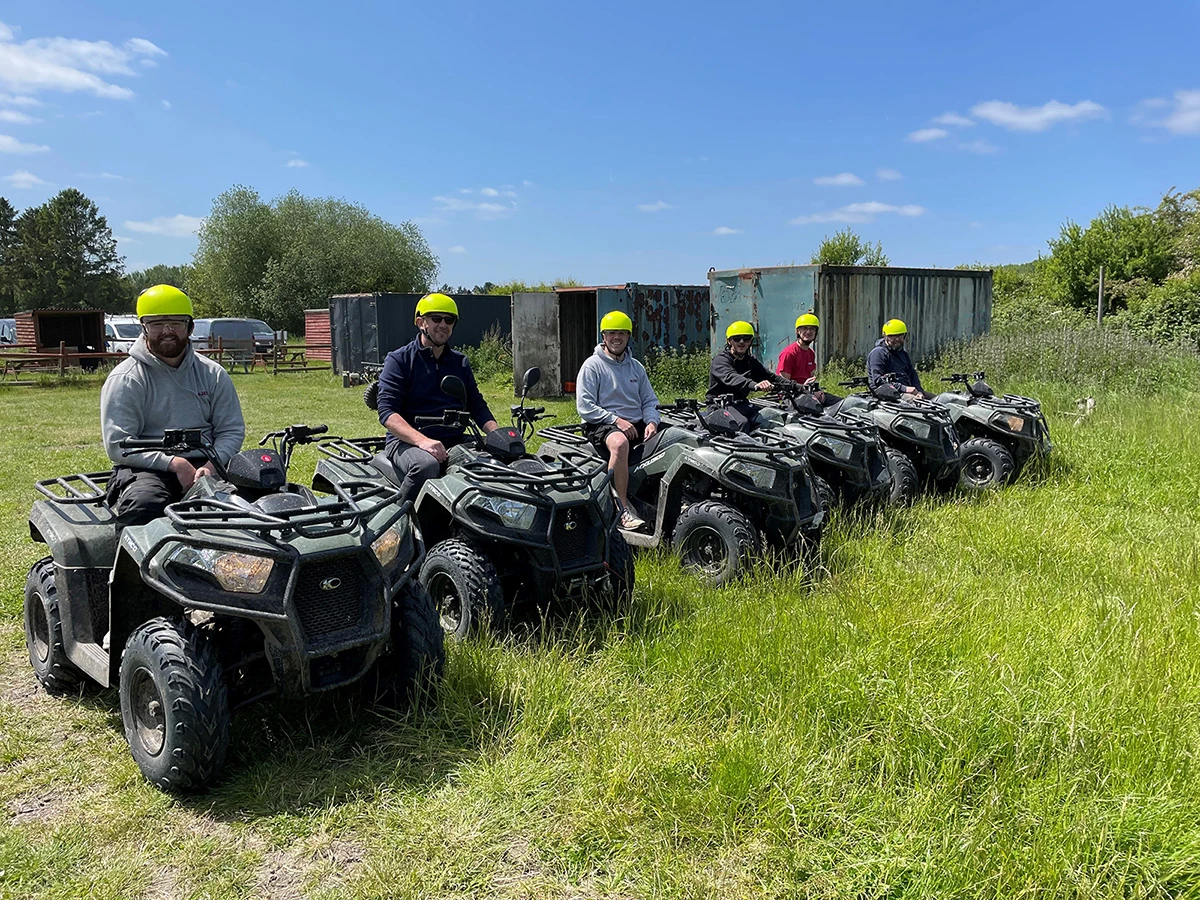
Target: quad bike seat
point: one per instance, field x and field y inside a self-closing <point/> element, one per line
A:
<point x="456" y="455"/>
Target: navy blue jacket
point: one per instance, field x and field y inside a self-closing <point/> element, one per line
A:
<point x="882" y="361"/>
<point x="411" y="385"/>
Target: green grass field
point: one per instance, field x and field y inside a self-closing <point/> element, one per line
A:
<point x="993" y="697"/>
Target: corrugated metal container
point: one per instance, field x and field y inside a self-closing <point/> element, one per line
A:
<point x="558" y="331"/>
<point x="317" y="331"/>
<point x="45" y="329"/>
<point x="852" y="302"/>
<point x="366" y="327"/>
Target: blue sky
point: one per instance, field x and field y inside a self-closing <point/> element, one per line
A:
<point x="609" y="142"/>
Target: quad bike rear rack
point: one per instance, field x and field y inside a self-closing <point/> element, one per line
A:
<point x="350" y="449"/>
<point x="81" y="488"/>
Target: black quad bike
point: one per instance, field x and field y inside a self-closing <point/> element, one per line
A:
<point x="249" y="586"/>
<point x="922" y="445"/>
<point x="999" y="434"/>
<point x="846" y="452"/>
<point x="711" y="492"/>
<point x="502" y="526"/>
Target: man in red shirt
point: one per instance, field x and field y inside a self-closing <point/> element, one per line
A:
<point x="798" y="361"/>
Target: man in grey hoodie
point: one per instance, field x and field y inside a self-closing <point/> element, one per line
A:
<point x="164" y="384"/>
<point x="617" y="405"/>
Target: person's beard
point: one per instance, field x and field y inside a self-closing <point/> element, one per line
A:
<point x="168" y="345"/>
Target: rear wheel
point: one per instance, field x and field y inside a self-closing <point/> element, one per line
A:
<point x="464" y="586"/>
<point x="43" y="631"/>
<point x="905" y="481"/>
<point x="985" y="464"/>
<point x="371" y="395"/>
<point x="715" y="540"/>
<point x="174" y="705"/>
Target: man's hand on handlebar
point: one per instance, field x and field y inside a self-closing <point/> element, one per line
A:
<point x="764" y="385"/>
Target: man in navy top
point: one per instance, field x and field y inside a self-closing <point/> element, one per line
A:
<point x="410" y="385"/>
<point x="889" y="363"/>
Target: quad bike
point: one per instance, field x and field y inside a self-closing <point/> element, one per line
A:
<point x="711" y="492"/>
<point x="846" y="452"/>
<point x="501" y="525"/>
<point x="249" y="586"/>
<point x="922" y="445"/>
<point x="999" y="434"/>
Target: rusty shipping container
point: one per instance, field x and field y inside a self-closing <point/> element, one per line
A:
<point x="852" y="302"/>
<point x="558" y="331"/>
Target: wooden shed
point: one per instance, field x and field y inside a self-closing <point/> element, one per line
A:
<point x="81" y="330"/>
<point x="317" y="332"/>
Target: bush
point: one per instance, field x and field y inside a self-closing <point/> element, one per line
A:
<point x="678" y="372"/>
<point x="492" y="359"/>
<point x="1168" y="313"/>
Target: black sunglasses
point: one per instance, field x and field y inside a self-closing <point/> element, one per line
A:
<point x="737" y="338"/>
<point x="441" y="320"/>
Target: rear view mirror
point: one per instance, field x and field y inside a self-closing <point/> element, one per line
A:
<point x="532" y="377"/>
<point x="454" y="386"/>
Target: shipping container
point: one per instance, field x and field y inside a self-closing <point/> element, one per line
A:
<point x="852" y="302"/>
<point x="558" y="331"/>
<point x="366" y="327"/>
<point x="82" y="330"/>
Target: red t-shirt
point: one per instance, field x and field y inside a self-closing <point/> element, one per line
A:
<point x="797" y="362"/>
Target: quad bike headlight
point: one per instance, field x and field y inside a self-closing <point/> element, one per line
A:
<point x="918" y="428"/>
<point x="1009" y="422"/>
<point x="512" y="513"/>
<point x="762" y="476"/>
<point x="238" y="573"/>
<point x="387" y="545"/>
<point x="841" y="449"/>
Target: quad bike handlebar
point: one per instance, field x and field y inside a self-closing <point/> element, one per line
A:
<point x="965" y="377"/>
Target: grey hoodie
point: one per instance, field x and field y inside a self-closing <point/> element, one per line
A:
<point x="606" y="389"/>
<point x="143" y="397"/>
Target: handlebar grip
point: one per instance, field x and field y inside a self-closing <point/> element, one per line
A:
<point x="428" y="420"/>
<point x="141" y="444"/>
<point x="319" y="429"/>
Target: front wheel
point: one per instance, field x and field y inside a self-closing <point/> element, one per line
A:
<point x="620" y="571"/>
<point x="715" y="540"/>
<point x="906" y="483"/>
<point x="464" y="586"/>
<point x="43" y="631"/>
<point x="825" y="492"/>
<point x="174" y="705"/>
<point x="985" y="464"/>
<point x="409" y="670"/>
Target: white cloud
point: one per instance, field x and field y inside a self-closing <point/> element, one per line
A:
<point x="924" y="135"/>
<point x="17" y="118"/>
<point x="492" y="192"/>
<point x="23" y="180"/>
<point x="9" y="144"/>
<point x="1183" y="118"/>
<point x="860" y="212"/>
<point x="1035" y="118"/>
<point x="844" y="179"/>
<point x="69" y="64"/>
<point x="17" y="100"/>
<point x="482" y="210"/>
<point x="888" y="175"/>
<point x="950" y="118"/>
<point x="526" y="184"/>
<point x="657" y="206"/>
<point x="979" y="147"/>
<point x="169" y="226"/>
<point x="166" y="104"/>
<point x="457" y="248"/>
<point x="125" y="240"/>
<point x="296" y="163"/>
<point x="723" y="230"/>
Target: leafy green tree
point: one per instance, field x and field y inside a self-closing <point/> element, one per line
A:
<point x="845" y="248"/>
<point x="274" y="260"/>
<point x="8" y="244"/>
<point x="66" y="256"/>
<point x="520" y="287"/>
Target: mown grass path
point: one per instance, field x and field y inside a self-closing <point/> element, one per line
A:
<point x="976" y="698"/>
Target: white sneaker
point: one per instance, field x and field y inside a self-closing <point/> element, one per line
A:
<point x="630" y="521"/>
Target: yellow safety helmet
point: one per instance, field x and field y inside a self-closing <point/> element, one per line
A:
<point x="437" y="303"/>
<point x="163" y="300"/>
<point x="616" y="321"/>
<point x="739" y="328"/>
<point x="808" y="319"/>
<point x="894" y="326"/>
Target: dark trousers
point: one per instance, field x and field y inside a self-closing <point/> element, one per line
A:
<point x="413" y="466"/>
<point x="138" y="496"/>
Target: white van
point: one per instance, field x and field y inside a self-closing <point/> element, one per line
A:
<point x="120" y="332"/>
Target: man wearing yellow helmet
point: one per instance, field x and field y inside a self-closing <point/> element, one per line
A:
<point x="164" y="384"/>
<point x="735" y="371"/>
<point x="889" y="363"/>
<point x="410" y="385"/>
<point x="618" y="407"/>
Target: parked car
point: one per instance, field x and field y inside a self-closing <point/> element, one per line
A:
<point x="120" y="332"/>
<point x="8" y="331"/>
<point x="235" y="335"/>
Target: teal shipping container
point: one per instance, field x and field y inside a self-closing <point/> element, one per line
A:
<point x="852" y="302"/>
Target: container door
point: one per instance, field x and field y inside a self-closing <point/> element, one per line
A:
<point x="535" y="330"/>
<point x="732" y="294"/>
